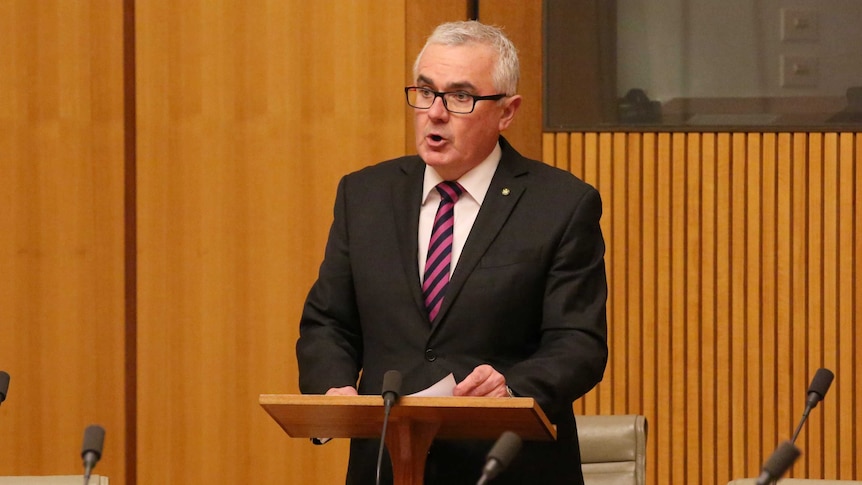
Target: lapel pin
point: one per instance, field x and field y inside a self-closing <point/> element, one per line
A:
<point x="506" y="191"/>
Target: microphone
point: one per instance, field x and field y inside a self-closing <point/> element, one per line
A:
<point x="391" y="387"/>
<point x="4" y="385"/>
<point x="816" y="392"/>
<point x="391" y="392"/>
<point x="778" y="463"/>
<point x="501" y="454"/>
<point x="91" y="451"/>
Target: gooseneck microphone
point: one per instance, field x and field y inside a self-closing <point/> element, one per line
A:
<point x="787" y="453"/>
<point x="816" y="392"/>
<point x="4" y="385"/>
<point x="91" y="451"/>
<point x="501" y="454"/>
<point x="391" y="392"/>
<point x="778" y="463"/>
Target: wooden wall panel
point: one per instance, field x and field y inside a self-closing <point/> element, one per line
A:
<point x="522" y="22"/>
<point x="249" y="112"/>
<point x="61" y="233"/>
<point x="733" y="263"/>
<point x="733" y="258"/>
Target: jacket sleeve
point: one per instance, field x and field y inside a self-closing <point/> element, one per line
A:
<point x="329" y="348"/>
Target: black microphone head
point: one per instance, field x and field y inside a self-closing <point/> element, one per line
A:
<point x="782" y="458"/>
<point x="819" y="385"/>
<point x="505" y="449"/>
<point x="4" y="385"/>
<point x="94" y="438"/>
<point x="391" y="385"/>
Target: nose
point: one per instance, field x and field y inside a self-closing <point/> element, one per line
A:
<point x="438" y="109"/>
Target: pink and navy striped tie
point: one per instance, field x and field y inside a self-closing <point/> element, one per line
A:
<point x="440" y="248"/>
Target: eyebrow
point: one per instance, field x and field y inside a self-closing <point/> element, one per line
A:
<point x="463" y="85"/>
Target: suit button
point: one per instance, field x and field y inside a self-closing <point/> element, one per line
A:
<point x="430" y="356"/>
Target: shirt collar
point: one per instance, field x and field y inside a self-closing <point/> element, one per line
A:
<point x="475" y="182"/>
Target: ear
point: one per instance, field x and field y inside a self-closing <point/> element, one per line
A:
<point x="510" y="107"/>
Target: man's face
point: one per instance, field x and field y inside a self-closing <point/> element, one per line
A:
<point x="455" y="143"/>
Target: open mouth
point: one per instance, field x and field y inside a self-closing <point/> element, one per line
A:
<point x="436" y="138"/>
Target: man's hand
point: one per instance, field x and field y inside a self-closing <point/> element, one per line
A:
<point x="483" y="381"/>
<point x="342" y="391"/>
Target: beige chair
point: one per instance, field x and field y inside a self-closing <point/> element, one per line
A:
<point x="613" y="449"/>
<point x="53" y="480"/>
<point x="796" y="481"/>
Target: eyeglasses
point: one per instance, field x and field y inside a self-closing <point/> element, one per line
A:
<point x="457" y="102"/>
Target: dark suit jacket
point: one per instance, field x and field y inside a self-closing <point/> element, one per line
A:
<point x="527" y="297"/>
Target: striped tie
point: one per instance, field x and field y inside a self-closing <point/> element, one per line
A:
<point x="440" y="249"/>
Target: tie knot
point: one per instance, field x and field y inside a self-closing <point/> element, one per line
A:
<point x="450" y="191"/>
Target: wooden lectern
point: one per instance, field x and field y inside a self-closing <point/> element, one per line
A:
<point x="414" y="422"/>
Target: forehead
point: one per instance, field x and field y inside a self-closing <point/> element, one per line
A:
<point x="457" y="65"/>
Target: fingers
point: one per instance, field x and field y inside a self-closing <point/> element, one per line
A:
<point x="342" y="391"/>
<point x="484" y="381"/>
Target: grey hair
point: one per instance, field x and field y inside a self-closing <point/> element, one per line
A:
<point x="507" y="69"/>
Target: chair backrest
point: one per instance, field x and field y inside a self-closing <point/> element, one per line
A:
<point x="613" y="449"/>
<point x="796" y="481"/>
<point x="53" y="480"/>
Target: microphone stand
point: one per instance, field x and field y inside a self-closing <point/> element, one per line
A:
<point x="391" y="392"/>
<point x="388" y="408"/>
<point x="816" y="392"/>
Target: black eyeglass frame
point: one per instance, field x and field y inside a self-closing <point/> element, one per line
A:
<point x="441" y="95"/>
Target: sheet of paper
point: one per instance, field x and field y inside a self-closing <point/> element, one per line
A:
<point x="443" y="387"/>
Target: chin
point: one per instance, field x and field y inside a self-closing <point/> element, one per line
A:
<point x="432" y="158"/>
<point x="435" y="163"/>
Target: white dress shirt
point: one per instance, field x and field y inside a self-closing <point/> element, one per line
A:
<point x="475" y="184"/>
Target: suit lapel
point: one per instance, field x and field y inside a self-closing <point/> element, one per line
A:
<point x="507" y="186"/>
<point x="406" y="202"/>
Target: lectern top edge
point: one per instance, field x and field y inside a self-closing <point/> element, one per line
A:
<point x="307" y="415"/>
<point x="366" y="400"/>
